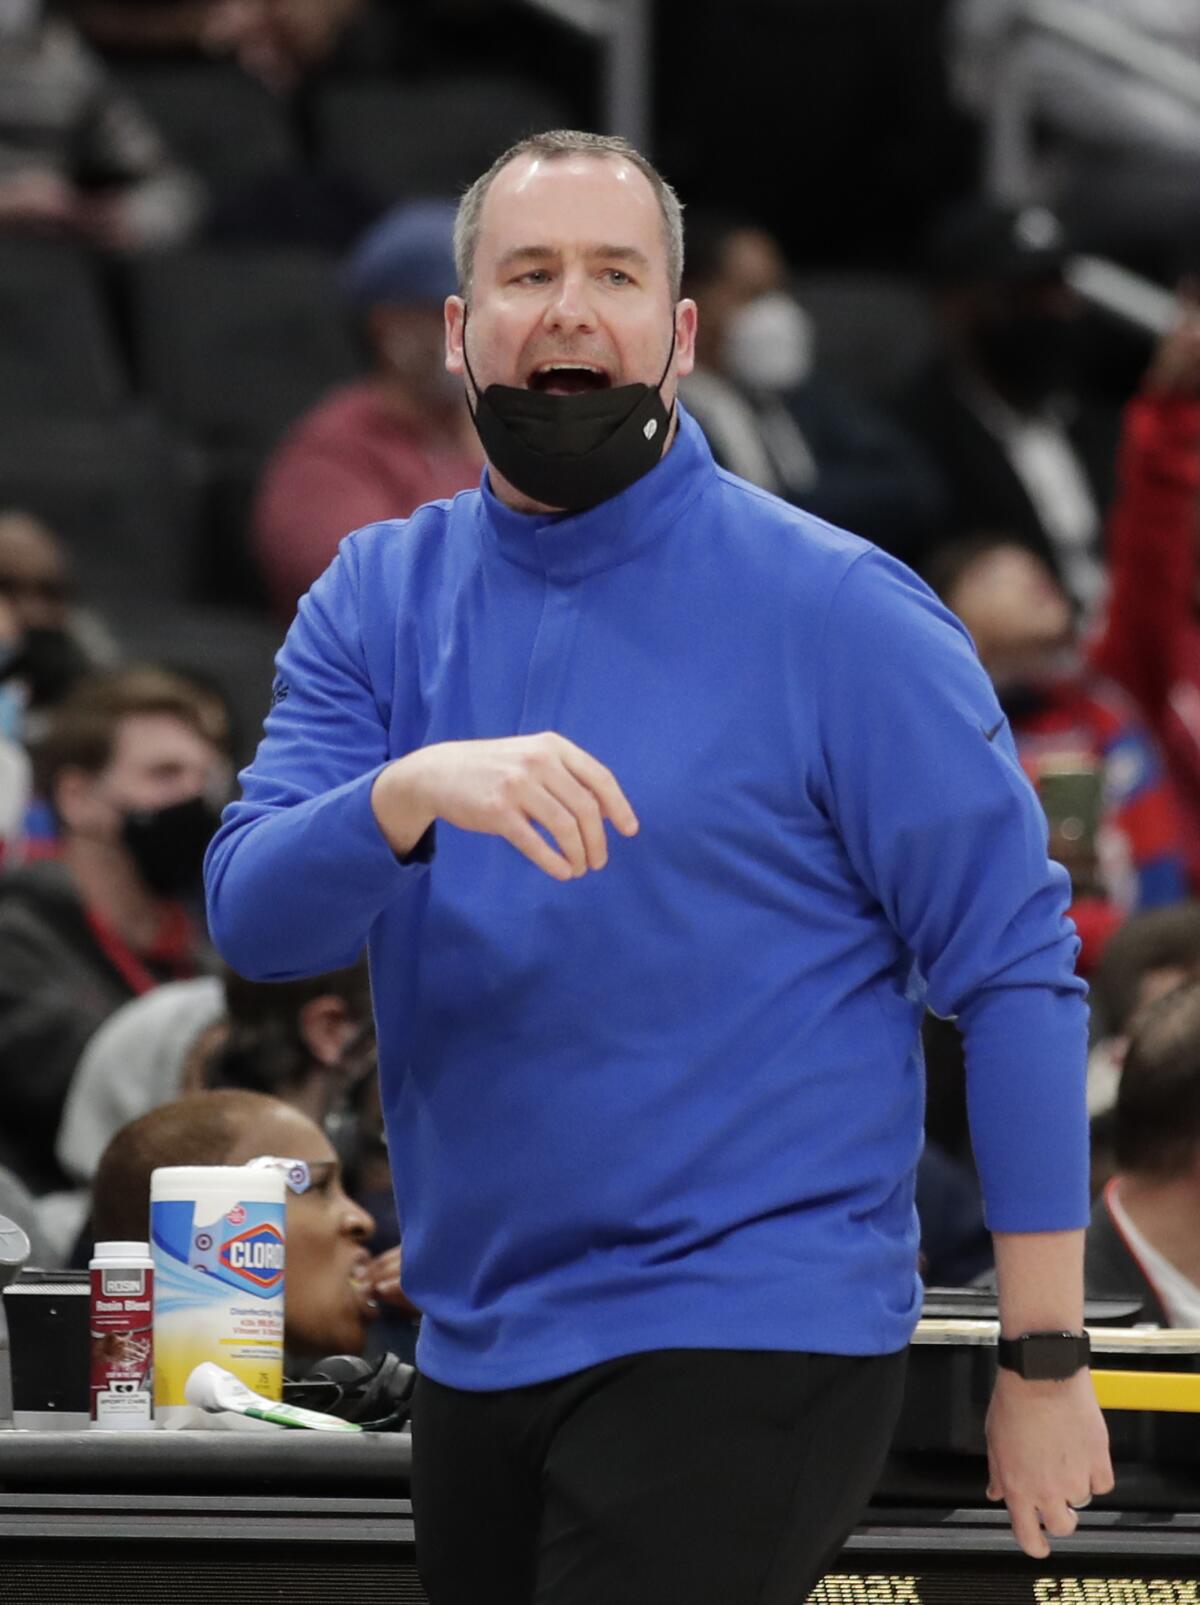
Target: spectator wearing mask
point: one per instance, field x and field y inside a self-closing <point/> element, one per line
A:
<point x="334" y="1286"/>
<point x="379" y="448"/>
<point x="770" y="416"/>
<point x="1000" y="408"/>
<point x="1142" y="1239"/>
<point x="59" y="643"/>
<point x="1111" y="808"/>
<point x="78" y="159"/>
<point x="46" y="646"/>
<point x="1148" y="639"/>
<point x="127" y="764"/>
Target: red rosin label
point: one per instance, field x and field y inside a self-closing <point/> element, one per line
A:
<point x="122" y="1339"/>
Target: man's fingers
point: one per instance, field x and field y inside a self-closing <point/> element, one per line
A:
<point x="1059" y="1520"/>
<point x="546" y="810"/>
<point x="585" y="807"/>
<point x="1027" y="1529"/>
<point x="602" y="783"/>
<point x="538" y="850"/>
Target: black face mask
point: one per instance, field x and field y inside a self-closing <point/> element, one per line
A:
<point x="50" y="662"/>
<point x="572" y="452"/>
<point x="168" y="844"/>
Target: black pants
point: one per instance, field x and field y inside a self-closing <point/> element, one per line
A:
<point x="703" y="1476"/>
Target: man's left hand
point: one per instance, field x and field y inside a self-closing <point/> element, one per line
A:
<point x="1047" y="1455"/>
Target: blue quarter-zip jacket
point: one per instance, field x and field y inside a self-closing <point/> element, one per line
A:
<point x="677" y="1102"/>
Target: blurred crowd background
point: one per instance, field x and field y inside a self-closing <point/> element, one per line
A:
<point x="946" y="255"/>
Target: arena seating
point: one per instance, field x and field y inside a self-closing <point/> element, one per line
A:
<point x="430" y="138"/>
<point x="59" y="355"/>
<point x="224" y="126"/>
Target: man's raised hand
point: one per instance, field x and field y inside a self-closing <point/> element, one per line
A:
<point x="508" y="787"/>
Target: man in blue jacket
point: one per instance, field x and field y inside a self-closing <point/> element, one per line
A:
<point x="654" y="1099"/>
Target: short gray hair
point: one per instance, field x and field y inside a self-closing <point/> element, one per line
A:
<point x="566" y="142"/>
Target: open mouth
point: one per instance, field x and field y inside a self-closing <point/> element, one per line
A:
<point x="567" y="378"/>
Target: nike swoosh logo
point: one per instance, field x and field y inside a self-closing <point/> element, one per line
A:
<point x="991" y="734"/>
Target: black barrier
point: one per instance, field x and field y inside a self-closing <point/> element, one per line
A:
<point x="231" y="1518"/>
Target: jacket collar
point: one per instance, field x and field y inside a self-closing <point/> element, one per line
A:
<point x="565" y="547"/>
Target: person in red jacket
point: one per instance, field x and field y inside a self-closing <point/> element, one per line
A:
<point x="379" y="447"/>
<point x="1148" y="639"/>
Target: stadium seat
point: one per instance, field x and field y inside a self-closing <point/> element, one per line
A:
<point x="226" y="572"/>
<point x="234" y="345"/>
<point x="232" y="649"/>
<point x="873" y="331"/>
<point x="58" y="354"/>
<point x="120" y="492"/>
<point x="428" y="138"/>
<point x="227" y="128"/>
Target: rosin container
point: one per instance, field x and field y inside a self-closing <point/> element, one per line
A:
<point x="121" y="1334"/>
<point x="217" y="1234"/>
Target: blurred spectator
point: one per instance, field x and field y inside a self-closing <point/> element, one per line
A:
<point x="302" y="1041"/>
<point x="1149" y="637"/>
<point x="999" y="409"/>
<point x="1150" y="954"/>
<point x="1142" y="1239"/>
<point x="333" y="1285"/>
<point x="1105" y="143"/>
<point x="278" y="42"/>
<point x="312" y="1044"/>
<point x="126" y="763"/>
<point x="78" y="159"/>
<point x="1111" y="810"/>
<point x="381" y="447"/>
<point x="308" y="1042"/>
<point x="769" y="416"/>
<point x="59" y="644"/>
<point x="149" y="1051"/>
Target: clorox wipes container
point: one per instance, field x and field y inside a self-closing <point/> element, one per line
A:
<point x="217" y="1236"/>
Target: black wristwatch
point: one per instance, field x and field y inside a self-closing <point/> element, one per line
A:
<point x="1045" y="1356"/>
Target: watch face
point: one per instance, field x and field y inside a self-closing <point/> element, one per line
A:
<point x="1050" y="1359"/>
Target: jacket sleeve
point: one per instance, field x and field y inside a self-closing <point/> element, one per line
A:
<point x="299" y="870"/>
<point x="922" y="779"/>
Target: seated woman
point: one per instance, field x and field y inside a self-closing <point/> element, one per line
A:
<point x="334" y="1287"/>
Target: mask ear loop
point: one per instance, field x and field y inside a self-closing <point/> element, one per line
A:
<point x="467" y="365"/>
<point x="670" y="358"/>
<point x="665" y="372"/>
